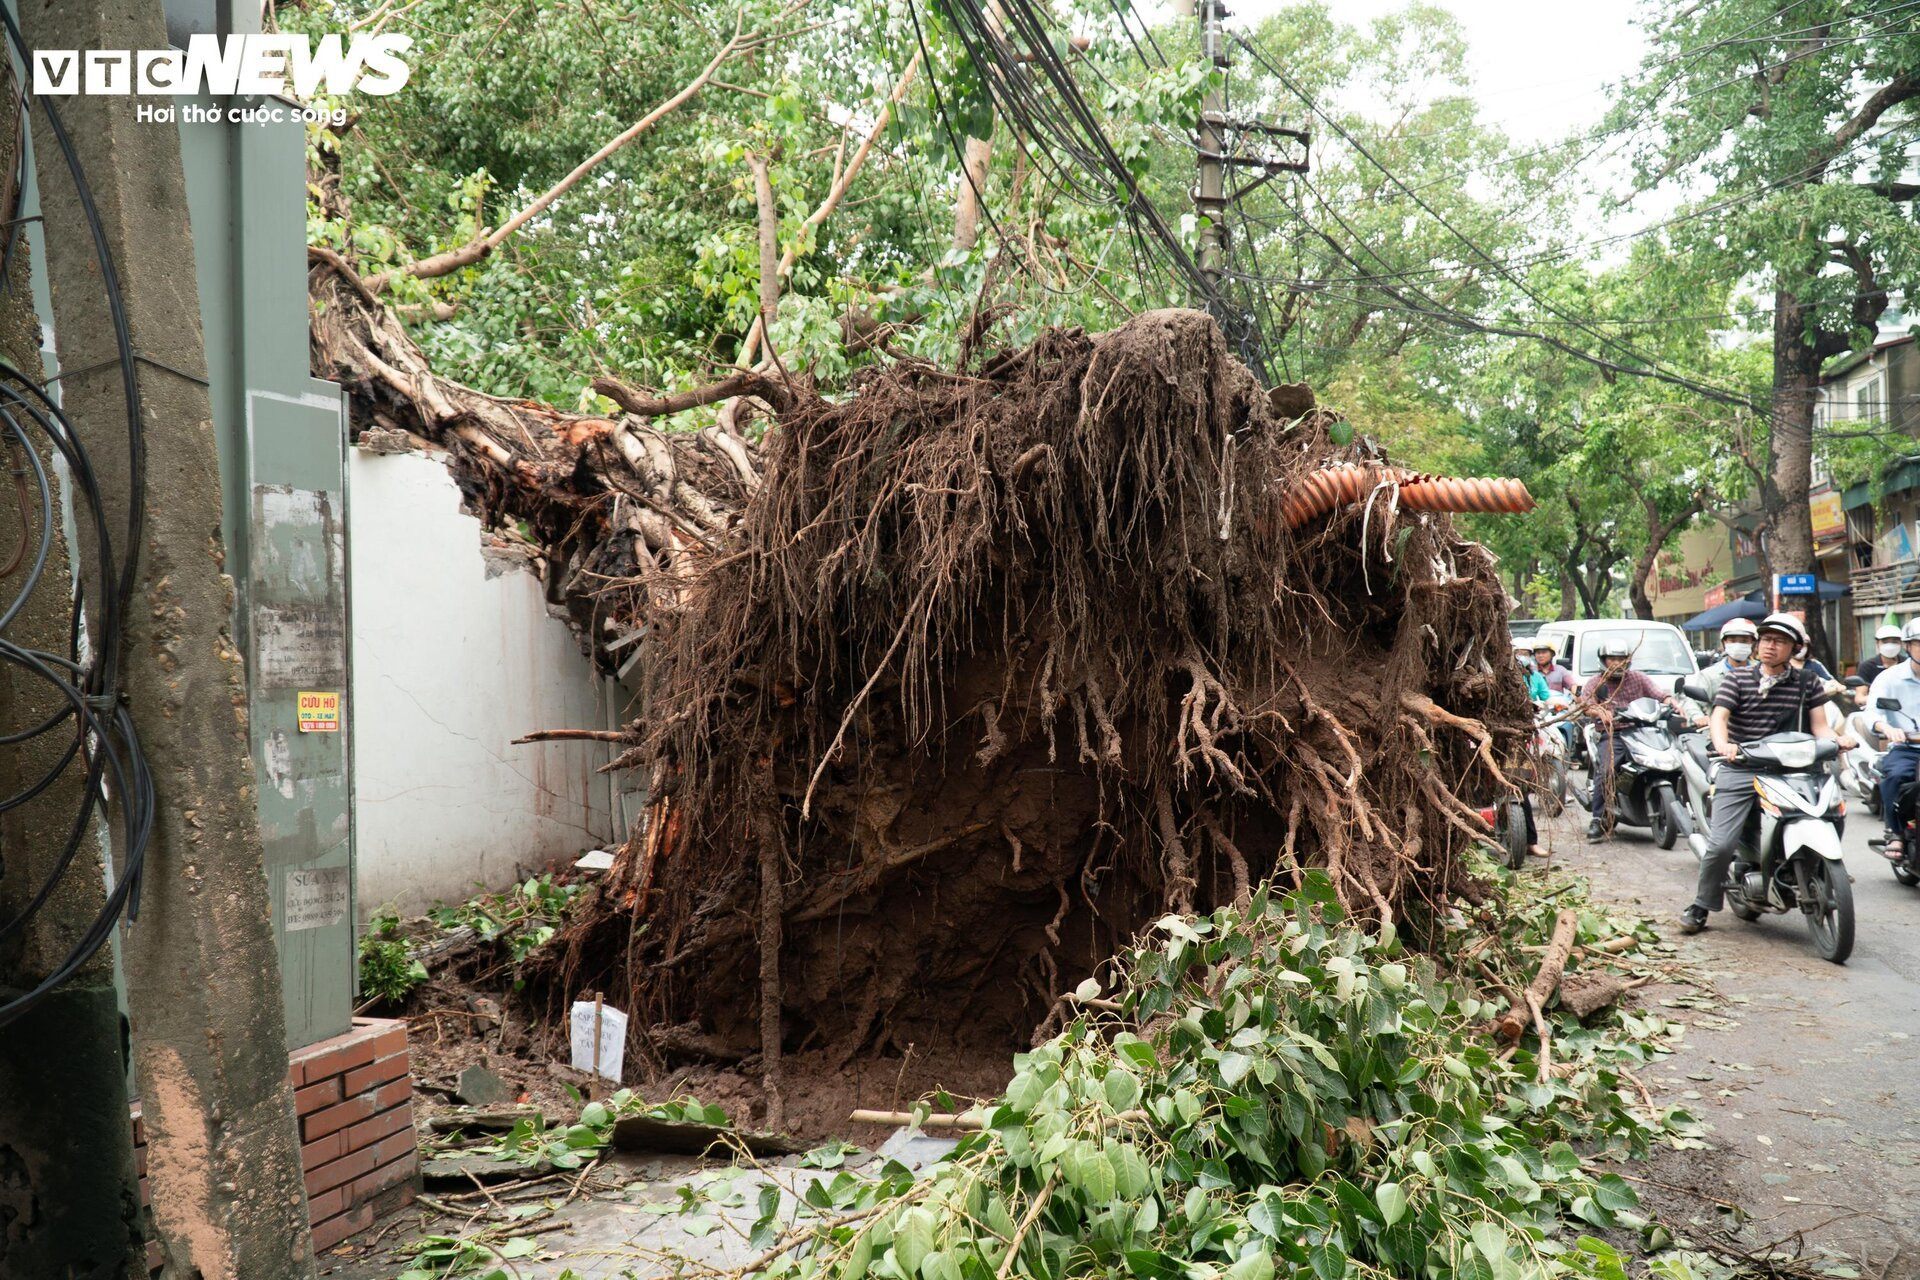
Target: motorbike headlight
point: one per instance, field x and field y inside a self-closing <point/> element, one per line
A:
<point x="1665" y="761"/>
<point x="1796" y="755"/>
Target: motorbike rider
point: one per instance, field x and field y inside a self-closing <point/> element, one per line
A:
<point x="1617" y="685"/>
<point x="1888" y="652"/>
<point x="1736" y="647"/>
<point x="1558" y="678"/>
<point x="1769" y="696"/>
<point x="1560" y="681"/>
<point x="1536" y="685"/>
<point x="1897" y="767"/>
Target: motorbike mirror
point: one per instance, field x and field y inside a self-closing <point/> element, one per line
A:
<point x="1695" y="692"/>
<point x="1887" y="704"/>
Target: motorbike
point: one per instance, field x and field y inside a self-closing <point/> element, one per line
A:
<point x="1550" y="755"/>
<point x="1647" y="774"/>
<point x="1907" y="869"/>
<point x="1791" y="845"/>
<point x="1860" y="770"/>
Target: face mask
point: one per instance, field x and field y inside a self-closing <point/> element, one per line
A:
<point x="1889" y="651"/>
<point x="1739" y="652"/>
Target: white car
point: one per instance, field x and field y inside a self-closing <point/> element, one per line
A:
<point x="1660" y="649"/>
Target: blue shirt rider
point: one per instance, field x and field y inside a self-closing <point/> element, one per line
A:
<point x="1902" y="684"/>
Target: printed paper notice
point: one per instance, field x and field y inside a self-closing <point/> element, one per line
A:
<point x="319" y="712"/>
<point x="612" y="1039"/>
<point x="316" y="899"/>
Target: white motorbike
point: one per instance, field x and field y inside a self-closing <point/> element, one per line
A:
<point x="1860" y="769"/>
<point x="1791" y="845"/>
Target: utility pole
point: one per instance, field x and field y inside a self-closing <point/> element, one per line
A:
<point x="203" y="977"/>
<point x="69" y="1202"/>
<point x="1221" y="148"/>
<point x="1210" y="195"/>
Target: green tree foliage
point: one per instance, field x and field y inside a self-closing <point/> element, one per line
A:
<point x="1790" y="125"/>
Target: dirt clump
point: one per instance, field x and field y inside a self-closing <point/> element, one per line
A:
<point x="997" y="667"/>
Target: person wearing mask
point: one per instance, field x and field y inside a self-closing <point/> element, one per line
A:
<point x="1617" y="685"/>
<point x="1887" y="652"/>
<point x="1901" y="682"/>
<point x="1769" y="696"/>
<point x="1736" y="648"/>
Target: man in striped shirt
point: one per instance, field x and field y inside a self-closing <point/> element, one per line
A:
<point x="1770" y="696"/>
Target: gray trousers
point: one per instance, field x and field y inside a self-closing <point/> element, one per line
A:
<point x="1733" y="800"/>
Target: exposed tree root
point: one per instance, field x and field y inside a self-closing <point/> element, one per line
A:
<point x="928" y="660"/>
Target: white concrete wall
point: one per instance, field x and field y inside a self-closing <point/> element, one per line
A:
<point x="452" y="660"/>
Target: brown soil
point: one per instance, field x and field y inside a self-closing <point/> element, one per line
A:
<point x="1000" y="666"/>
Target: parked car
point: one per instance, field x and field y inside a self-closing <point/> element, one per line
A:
<point x="1660" y="648"/>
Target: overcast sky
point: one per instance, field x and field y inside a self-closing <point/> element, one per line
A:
<point x="1540" y="68"/>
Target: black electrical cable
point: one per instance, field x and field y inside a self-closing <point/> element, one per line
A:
<point x="94" y="706"/>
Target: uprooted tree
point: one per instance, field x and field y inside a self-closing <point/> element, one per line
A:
<point x="953" y="684"/>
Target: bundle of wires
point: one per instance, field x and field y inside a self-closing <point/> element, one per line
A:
<point x="90" y="710"/>
<point x="1019" y="58"/>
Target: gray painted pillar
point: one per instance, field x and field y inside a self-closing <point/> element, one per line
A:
<point x="69" y="1200"/>
<point x="209" y="1029"/>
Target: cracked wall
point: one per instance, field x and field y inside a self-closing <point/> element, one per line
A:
<point x="453" y="658"/>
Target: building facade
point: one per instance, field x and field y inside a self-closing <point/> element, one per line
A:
<point x="1875" y="531"/>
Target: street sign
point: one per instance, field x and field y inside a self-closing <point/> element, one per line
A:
<point x="1795" y="584"/>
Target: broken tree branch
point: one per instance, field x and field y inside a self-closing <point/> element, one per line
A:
<point x="441" y="264"/>
<point x="750" y="348"/>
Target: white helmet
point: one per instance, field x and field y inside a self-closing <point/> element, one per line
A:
<point x="1888" y="631"/>
<point x="1616" y="647"/>
<point x="1912" y="632"/>
<point x="1787" y="625"/>
<point x="1739" y="629"/>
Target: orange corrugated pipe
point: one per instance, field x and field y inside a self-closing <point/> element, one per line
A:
<point x="1346" y="482"/>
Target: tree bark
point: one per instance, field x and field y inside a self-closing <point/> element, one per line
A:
<point x="769" y="220"/>
<point x="1786" y="509"/>
<point x="973" y="186"/>
<point x="1659" y="529"/>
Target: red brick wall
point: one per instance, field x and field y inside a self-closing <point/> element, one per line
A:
<point x="354" y="1096"/>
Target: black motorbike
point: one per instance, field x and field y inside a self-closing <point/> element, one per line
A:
<point x="1646" y="782"/>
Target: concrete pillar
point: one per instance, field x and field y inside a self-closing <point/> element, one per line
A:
<point x="208" y="1027"/>
<point x="69" y="1200"/>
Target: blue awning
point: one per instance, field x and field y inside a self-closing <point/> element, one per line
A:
<point x="1721" y="614"/>
<point x="1754" y="605"/>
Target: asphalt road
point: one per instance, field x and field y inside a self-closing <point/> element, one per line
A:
<point x="1806" y="1071"/>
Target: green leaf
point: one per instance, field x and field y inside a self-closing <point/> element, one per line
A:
<point x="1392" y="1201"/>
<point x="1255" y="1264"/>
<point x="1341" y="433"/>
<point x="519" y="1247"/>
<point x="1491" y="1240"/>
<point x="859" y="1258"/>
<point x="913" y="1239"/>
<point x="1234" y="1067"/>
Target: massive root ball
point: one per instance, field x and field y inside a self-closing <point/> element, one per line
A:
<point x="996" y="668"/>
